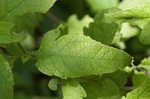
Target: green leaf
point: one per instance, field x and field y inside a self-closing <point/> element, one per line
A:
<point x="142" y="92"/>
<point x="15" y="50"/>
<point x="5" y="36"/>
<point x="138" y="78"/>
<point x="3" y="8"/>
<point x="120" y="77"/>
<point x="139" y="11"/>
<point x="99" y="5"/>
<point x="101" y="89"/>
<point x="134" y="46"/>
<point x="145" y="64"/>
<point x="128" y="4"/>
<point x="6" y="80"/>
<point x="72" y="90"/>
<point x="53" y="83"/>
<point x="101" y="30"/>
<point x="75" y="25"/>
<point x="123" y="97"/>
<point x="141" y="23"/>
<point x="145" y="34"/>
<point x="128" y="31"/>
<point x="76" y="55"/>
<point x="26" y="23"/>
<point x="20" y="7"/>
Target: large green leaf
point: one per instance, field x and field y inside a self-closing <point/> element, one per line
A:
<point x="101" y="89"/>
<point x="5" y="35"/>
<point x="75" y="55"/>
<point x="142" y="92"/>
<point x="6" y="80"/>
<point x="72" y="90"/>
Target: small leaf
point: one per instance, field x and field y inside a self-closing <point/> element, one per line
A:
<point x="145" y="64"/>
<point x="128" y="31"/>
<point x="53" y="83"/>
<point x="76" y="26"/>
<point x="72" y="90"/>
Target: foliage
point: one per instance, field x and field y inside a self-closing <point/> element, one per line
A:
<point x="102" y="53"/>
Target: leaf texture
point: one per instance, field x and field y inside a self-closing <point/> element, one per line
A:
<point x="76" y="55"/>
